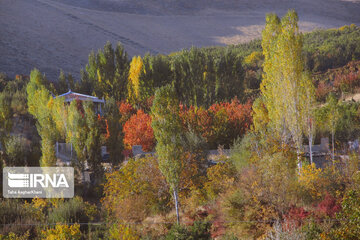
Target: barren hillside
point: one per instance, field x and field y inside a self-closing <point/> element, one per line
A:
<point x="54" y="34"/>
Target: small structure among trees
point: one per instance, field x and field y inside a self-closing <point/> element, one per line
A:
<point x="71" y="96"/>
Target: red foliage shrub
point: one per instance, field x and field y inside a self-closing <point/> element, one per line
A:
<point x="295" y="217"/>
<point x="138" y="131"/>
<point x="327" y="207"/>
<point x="322" y="91"/>
<point x="347" y="82"/>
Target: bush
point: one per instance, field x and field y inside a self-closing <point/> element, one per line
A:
<point x="62" y="232"/>
<point x="17" y="151"/>
<point x="348" y="218"/>
<point x="13" y="236"/>
<point x="74" y="210"/>
<point x="200" y="230"/>
<point x="121" y="231"/>
<point x="220" y="177"/>
<point x="17" y="217"/>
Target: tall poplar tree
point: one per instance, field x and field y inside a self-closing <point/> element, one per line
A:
<point x="40" y="104"/>
<point x="114" y="141"/>
<point x="308" y="111"/>
<point x="167" y="130"/>
<point x="284" y="83"/>
<point x="134" y="84"/>
<point x="332" y="119"/>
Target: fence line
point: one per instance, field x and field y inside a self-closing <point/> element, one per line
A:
<point x="148" y="223"/>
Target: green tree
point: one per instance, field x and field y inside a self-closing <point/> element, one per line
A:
<point x="229" y="76"/>
<point x="167" y="130"/>
<point x="40" y="104"/>
<point x="76" y="131"/>
<point x="83" y="132"/>
<point x="6" y="114"/>
<point x="114" y="141"/>
<point x="62" y="83"/>
<point x="106" y="73"/>
<point x="93" y="139"/>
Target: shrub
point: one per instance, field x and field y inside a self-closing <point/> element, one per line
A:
<point x="200" y="230"/>
<point x="122" y="232"/>
<point x="348" y="218"/>
<point x="62" y="232"/>
<point x="328" y="207"/>
<point x="295" y="217"/>
<point x="310" y="180"/>
<point x="220" y="177"/>
<point x="13" y="236"/>
<point x="74" y="210"/>
<point x="17" y="217"/>
<point x="17" y="151"/>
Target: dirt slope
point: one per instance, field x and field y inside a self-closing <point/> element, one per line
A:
<point x="54" y="34"/>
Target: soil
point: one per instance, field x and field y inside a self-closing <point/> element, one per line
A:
<point x="59" y="34"/>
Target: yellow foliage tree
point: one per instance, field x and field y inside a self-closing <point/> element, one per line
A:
<point x="134" y="190"/>
<point x="285" y="86"/>
<point x="136" y="67"/>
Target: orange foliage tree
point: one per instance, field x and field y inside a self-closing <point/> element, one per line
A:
<point x="138" y="131"/>
<point x="126" y="110"/>
<point x="221" y="124"/>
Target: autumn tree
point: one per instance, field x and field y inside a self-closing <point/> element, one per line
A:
<point x="308" y="111"/>
<point x="134" y="83"/>
<point x="220" y="124"/>
<point x="332" y="118"/>
<point x="138" y="131"/>
<point x="132" y="192"/>
<point x="283" y="79"/>
<point x="167" y="130"/>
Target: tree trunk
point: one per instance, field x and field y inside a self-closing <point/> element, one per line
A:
<point x="333" y="147"/>
<point x="176" y="206"/>
<point x="299" y="163"/>
<point x="310" y="148"/>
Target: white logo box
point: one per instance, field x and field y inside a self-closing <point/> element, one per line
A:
<point x="41" y="182"/>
